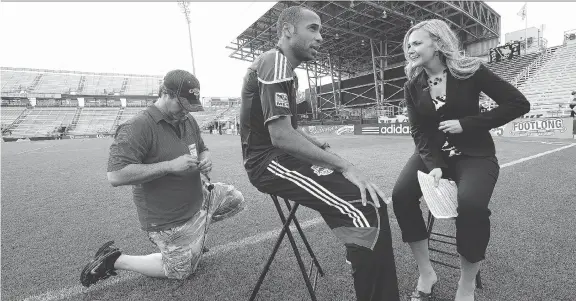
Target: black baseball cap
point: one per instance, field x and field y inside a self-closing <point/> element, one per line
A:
<point x="186" y="87"/>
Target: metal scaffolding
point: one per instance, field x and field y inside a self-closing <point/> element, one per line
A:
<point x="364" y="37"/>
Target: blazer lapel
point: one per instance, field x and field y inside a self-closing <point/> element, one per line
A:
<point x="450" y="88"/>
<point x="424" y="104"/>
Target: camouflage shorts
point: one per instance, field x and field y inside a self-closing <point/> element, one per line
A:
<point x="181" y="246"/>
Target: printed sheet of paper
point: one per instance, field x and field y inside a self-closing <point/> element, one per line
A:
<point x="441" y="200"/>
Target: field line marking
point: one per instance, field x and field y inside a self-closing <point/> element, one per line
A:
<point x="33" y="150"/>
<point x="75" y="150"/>
<point x="537" y="155"/>
<point x="78" y="289"/>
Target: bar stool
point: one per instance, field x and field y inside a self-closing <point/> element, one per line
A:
<point x="286" y="221"/>
<point x="442" y="238"/>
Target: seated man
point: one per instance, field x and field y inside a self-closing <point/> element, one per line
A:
<point x="282" y="160"/>
<point x="161" y="153"/>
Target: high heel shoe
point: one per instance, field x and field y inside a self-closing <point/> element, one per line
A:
<point x="417" y="295"/>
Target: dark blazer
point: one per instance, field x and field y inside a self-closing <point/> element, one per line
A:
<point x="462" y="104"/>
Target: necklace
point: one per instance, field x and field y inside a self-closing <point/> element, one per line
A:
<point x="435" y="81"/>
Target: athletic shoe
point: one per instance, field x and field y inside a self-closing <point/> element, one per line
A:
<point x="102" y="266"/>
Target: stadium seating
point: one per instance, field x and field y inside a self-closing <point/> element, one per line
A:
<point x="209" y="115"/>
<point x="546" y="78"/>
<point x="95" y="121"/>
<point x="549" y="89"/>
<point x="42" y="122"/>
<point x="10" y="114"/>
<point x="533" y="74"/>
<point x="509" y="69"/>
<point x="128" y="113"/>
<point x="142" y="86"/>
<point x="230" y="114"/>
<point x="102" y="84"/>
<point x="16" y="82"/>
<point x="57" y="83"/>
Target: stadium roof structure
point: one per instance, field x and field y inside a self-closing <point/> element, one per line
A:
<point x="362" y="37"/>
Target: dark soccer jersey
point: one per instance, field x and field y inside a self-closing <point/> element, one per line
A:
<point x="268" y="92"/>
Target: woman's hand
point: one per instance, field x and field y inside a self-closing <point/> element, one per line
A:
<point x="437" y="174"/>
<point x="450" y="126"/>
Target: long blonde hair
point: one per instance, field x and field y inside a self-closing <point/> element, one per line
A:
<point x="460" y="66"/>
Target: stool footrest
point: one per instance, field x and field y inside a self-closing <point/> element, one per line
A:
<point x="429" y="227"/>
<point x="444" y="252"/>
<point x="443" y="235"/>
<point x="442" y="241"/>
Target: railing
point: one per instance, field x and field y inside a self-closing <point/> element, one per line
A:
<point x="525" y="73"/>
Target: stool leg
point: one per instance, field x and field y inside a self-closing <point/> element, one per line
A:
<point x="429" y="228"/>
<point x="478" y="280"/>
<point x="295" y="249"/>
<point x="305" y="240"/>
<point x="284" y="230"/>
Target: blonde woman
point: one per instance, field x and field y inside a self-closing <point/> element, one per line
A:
<point x="452" y="141"/>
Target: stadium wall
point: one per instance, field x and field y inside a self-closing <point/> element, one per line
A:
<point x="558" y="128"/>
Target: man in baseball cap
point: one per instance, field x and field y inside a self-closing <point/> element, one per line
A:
<point x="161" y="153"/>
<point x="186" y="87"/>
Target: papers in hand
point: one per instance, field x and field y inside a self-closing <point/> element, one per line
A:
<point x="441" y="200"/>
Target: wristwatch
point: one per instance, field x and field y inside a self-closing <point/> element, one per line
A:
<point x="325" y="146"/>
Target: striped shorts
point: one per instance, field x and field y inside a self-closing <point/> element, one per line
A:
<point x="336" y="198"/>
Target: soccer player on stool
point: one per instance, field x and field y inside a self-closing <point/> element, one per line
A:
<point x="452" y="139"/>
<point x="161" y="153"/>
<point x="282" y="160"/>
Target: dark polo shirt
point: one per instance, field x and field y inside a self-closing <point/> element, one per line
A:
<point x="148" y="138"/>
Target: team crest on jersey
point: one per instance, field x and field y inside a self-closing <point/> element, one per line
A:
<point x="321" y="171"/>
<point x="281" y="100"/>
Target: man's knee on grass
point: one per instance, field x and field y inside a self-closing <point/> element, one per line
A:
<point x="182" y="265"/>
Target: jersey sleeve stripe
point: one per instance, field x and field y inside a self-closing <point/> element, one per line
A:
<point x="281" y="70"/>
<point x="274" y="81"/>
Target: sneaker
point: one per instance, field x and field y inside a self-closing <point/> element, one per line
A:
<point x="103" y="248"/>
<point x="102" y="266"/>
<point x="230" y="207"/>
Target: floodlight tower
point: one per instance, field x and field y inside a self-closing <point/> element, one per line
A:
<point x="184" y="6"/>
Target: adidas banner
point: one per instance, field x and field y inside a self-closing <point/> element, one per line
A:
<point x="394" y="129"/>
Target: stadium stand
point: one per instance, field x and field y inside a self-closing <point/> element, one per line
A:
<point x="16" y="81"/>
<point x="549" y="89"/>
<point x="10" y="114"/>
<point x="42" y="122"/>
<point x="95" y="121"/>
<point x="142" y="86"/>
<point x="208" y="115"/>
<point x="509" y="69"/>
<point x="230" y="114"/>
<point x="124" y="114"/>
<point x="101" y="84"/>
<point x="54" y="83"/>
<point x="546" y="78"/>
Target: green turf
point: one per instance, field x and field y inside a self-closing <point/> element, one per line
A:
<point x="57" y="209"/>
